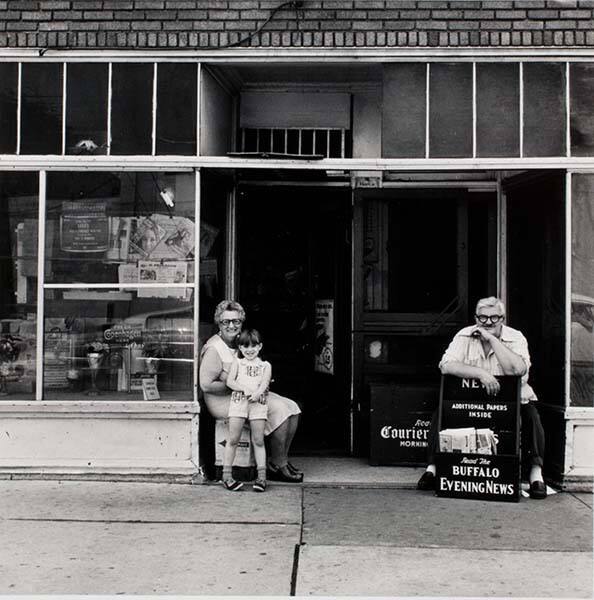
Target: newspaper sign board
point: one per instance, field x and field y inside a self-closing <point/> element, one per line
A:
<point x="479" y="440"/>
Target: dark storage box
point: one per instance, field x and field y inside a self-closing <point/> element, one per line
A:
<point x="400" y="416"/>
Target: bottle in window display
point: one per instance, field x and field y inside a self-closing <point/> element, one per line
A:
<point x="9" y="352"/>
<point x="96" y="352"/>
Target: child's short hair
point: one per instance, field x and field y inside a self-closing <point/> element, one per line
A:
<point x="249" y="337"/>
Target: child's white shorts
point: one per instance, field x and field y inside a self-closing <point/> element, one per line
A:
<point x="240" y="407"/>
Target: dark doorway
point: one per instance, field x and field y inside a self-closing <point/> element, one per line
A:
<point x="536" y="293"/>
<point x="294" y="262"/>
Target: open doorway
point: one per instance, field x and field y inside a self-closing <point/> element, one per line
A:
<point x="294" y="264"/>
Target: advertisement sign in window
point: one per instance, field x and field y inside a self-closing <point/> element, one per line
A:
<point x="84" y="226"/>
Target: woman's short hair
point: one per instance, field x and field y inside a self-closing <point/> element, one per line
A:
<point x="489" y="302"/>
<point x="228" y="305"/>
<point x="249" y="337"/>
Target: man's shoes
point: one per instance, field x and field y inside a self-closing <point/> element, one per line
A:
<point x="427" y="481"/>
<point x="283" y="474"/>
<point x="293" y="469"/>
<point x="538" y="490"/>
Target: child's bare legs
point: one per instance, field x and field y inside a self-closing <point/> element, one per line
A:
<point x="257" y="432"/>
<point x="235" y="427"/>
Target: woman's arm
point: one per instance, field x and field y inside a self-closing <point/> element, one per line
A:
<point x="232" y="378"/>
<point x="212" y="376"/>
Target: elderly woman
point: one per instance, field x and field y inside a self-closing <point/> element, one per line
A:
<point x="283" y="414"/>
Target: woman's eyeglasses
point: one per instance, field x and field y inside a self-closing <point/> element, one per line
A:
<point x="227" y="322"/>
<point x="484" y="319"/>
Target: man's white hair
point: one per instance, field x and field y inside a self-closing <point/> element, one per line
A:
<point x="489" y="302"/>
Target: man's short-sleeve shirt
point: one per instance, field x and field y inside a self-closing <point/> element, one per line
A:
<point x="469" y="350"/>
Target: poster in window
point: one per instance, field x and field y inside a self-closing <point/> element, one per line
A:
<point x="161" y="237"/>
<point x="84" y="226"/>
<point x="324" y="342"/>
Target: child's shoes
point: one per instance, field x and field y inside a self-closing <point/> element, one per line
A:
<point x="259" y="485"/>
<point x="232" y="485"/>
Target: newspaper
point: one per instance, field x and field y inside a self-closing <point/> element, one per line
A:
<point x="458" y="440"/>
<point x="468" y="440"/>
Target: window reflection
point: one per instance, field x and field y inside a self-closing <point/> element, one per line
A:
<point x="18" y="273"/>
<point x="107" y="342"/>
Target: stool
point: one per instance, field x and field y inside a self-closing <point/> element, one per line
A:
<point x="244" y="466"/>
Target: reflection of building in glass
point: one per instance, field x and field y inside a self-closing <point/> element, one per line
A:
<point x="582" y="351"/>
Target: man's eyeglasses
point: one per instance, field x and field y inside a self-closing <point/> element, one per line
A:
<point x="227" y="322"/>
<point x="484" y="319"/>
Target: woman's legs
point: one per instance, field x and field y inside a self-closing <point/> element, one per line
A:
<point x="257" y="434"/>
<point x="235" y="427"/>
<point x="292" y="424"/>
<point x="278" y="444"/>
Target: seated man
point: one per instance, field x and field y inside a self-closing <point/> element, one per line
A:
<point x="481" y="351"/>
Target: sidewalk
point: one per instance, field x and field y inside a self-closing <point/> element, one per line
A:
<point x="362" y="538"/>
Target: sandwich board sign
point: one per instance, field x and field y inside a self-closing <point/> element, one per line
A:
<point x="479" y="445"/>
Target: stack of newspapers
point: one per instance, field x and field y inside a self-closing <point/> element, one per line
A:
<point x="468" y="440"/>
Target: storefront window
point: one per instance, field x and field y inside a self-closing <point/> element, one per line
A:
<point x="450" y="110"/>
<point x="8" y="107"/>
<point x="131" y="108"/>
<point x="582" y="291"/>
<point x="18" y="293"/>
<point x="41" y="108"/>
<point x="86" y="109"/>
<point x="177" y="98"/>
<point x="544" y="102"/>
<point x="119" y="284"/>
<point x="497" y="109"/>
<point x="107" y="342"/>
<point x="581" y="87"/>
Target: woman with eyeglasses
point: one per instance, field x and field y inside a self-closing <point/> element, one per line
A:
<point x="217" y="355"/>
<point x="482" y="351"/>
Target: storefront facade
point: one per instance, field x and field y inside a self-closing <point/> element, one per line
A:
<point x="357" y="190"/>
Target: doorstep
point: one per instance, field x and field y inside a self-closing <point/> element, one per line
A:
<point x="347" y="471"/>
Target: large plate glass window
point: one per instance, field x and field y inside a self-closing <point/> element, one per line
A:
<point x="18" y="292"/>
<point x="582" y="291"/>
<point x="119" y="285"/>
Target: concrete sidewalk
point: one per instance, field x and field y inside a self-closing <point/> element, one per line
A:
<point x="144" y="538"/>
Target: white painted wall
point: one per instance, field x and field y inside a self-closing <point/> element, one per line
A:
<point x="125" y="438"/>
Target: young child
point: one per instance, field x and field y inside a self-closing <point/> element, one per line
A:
<point x="249" y="377"/>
